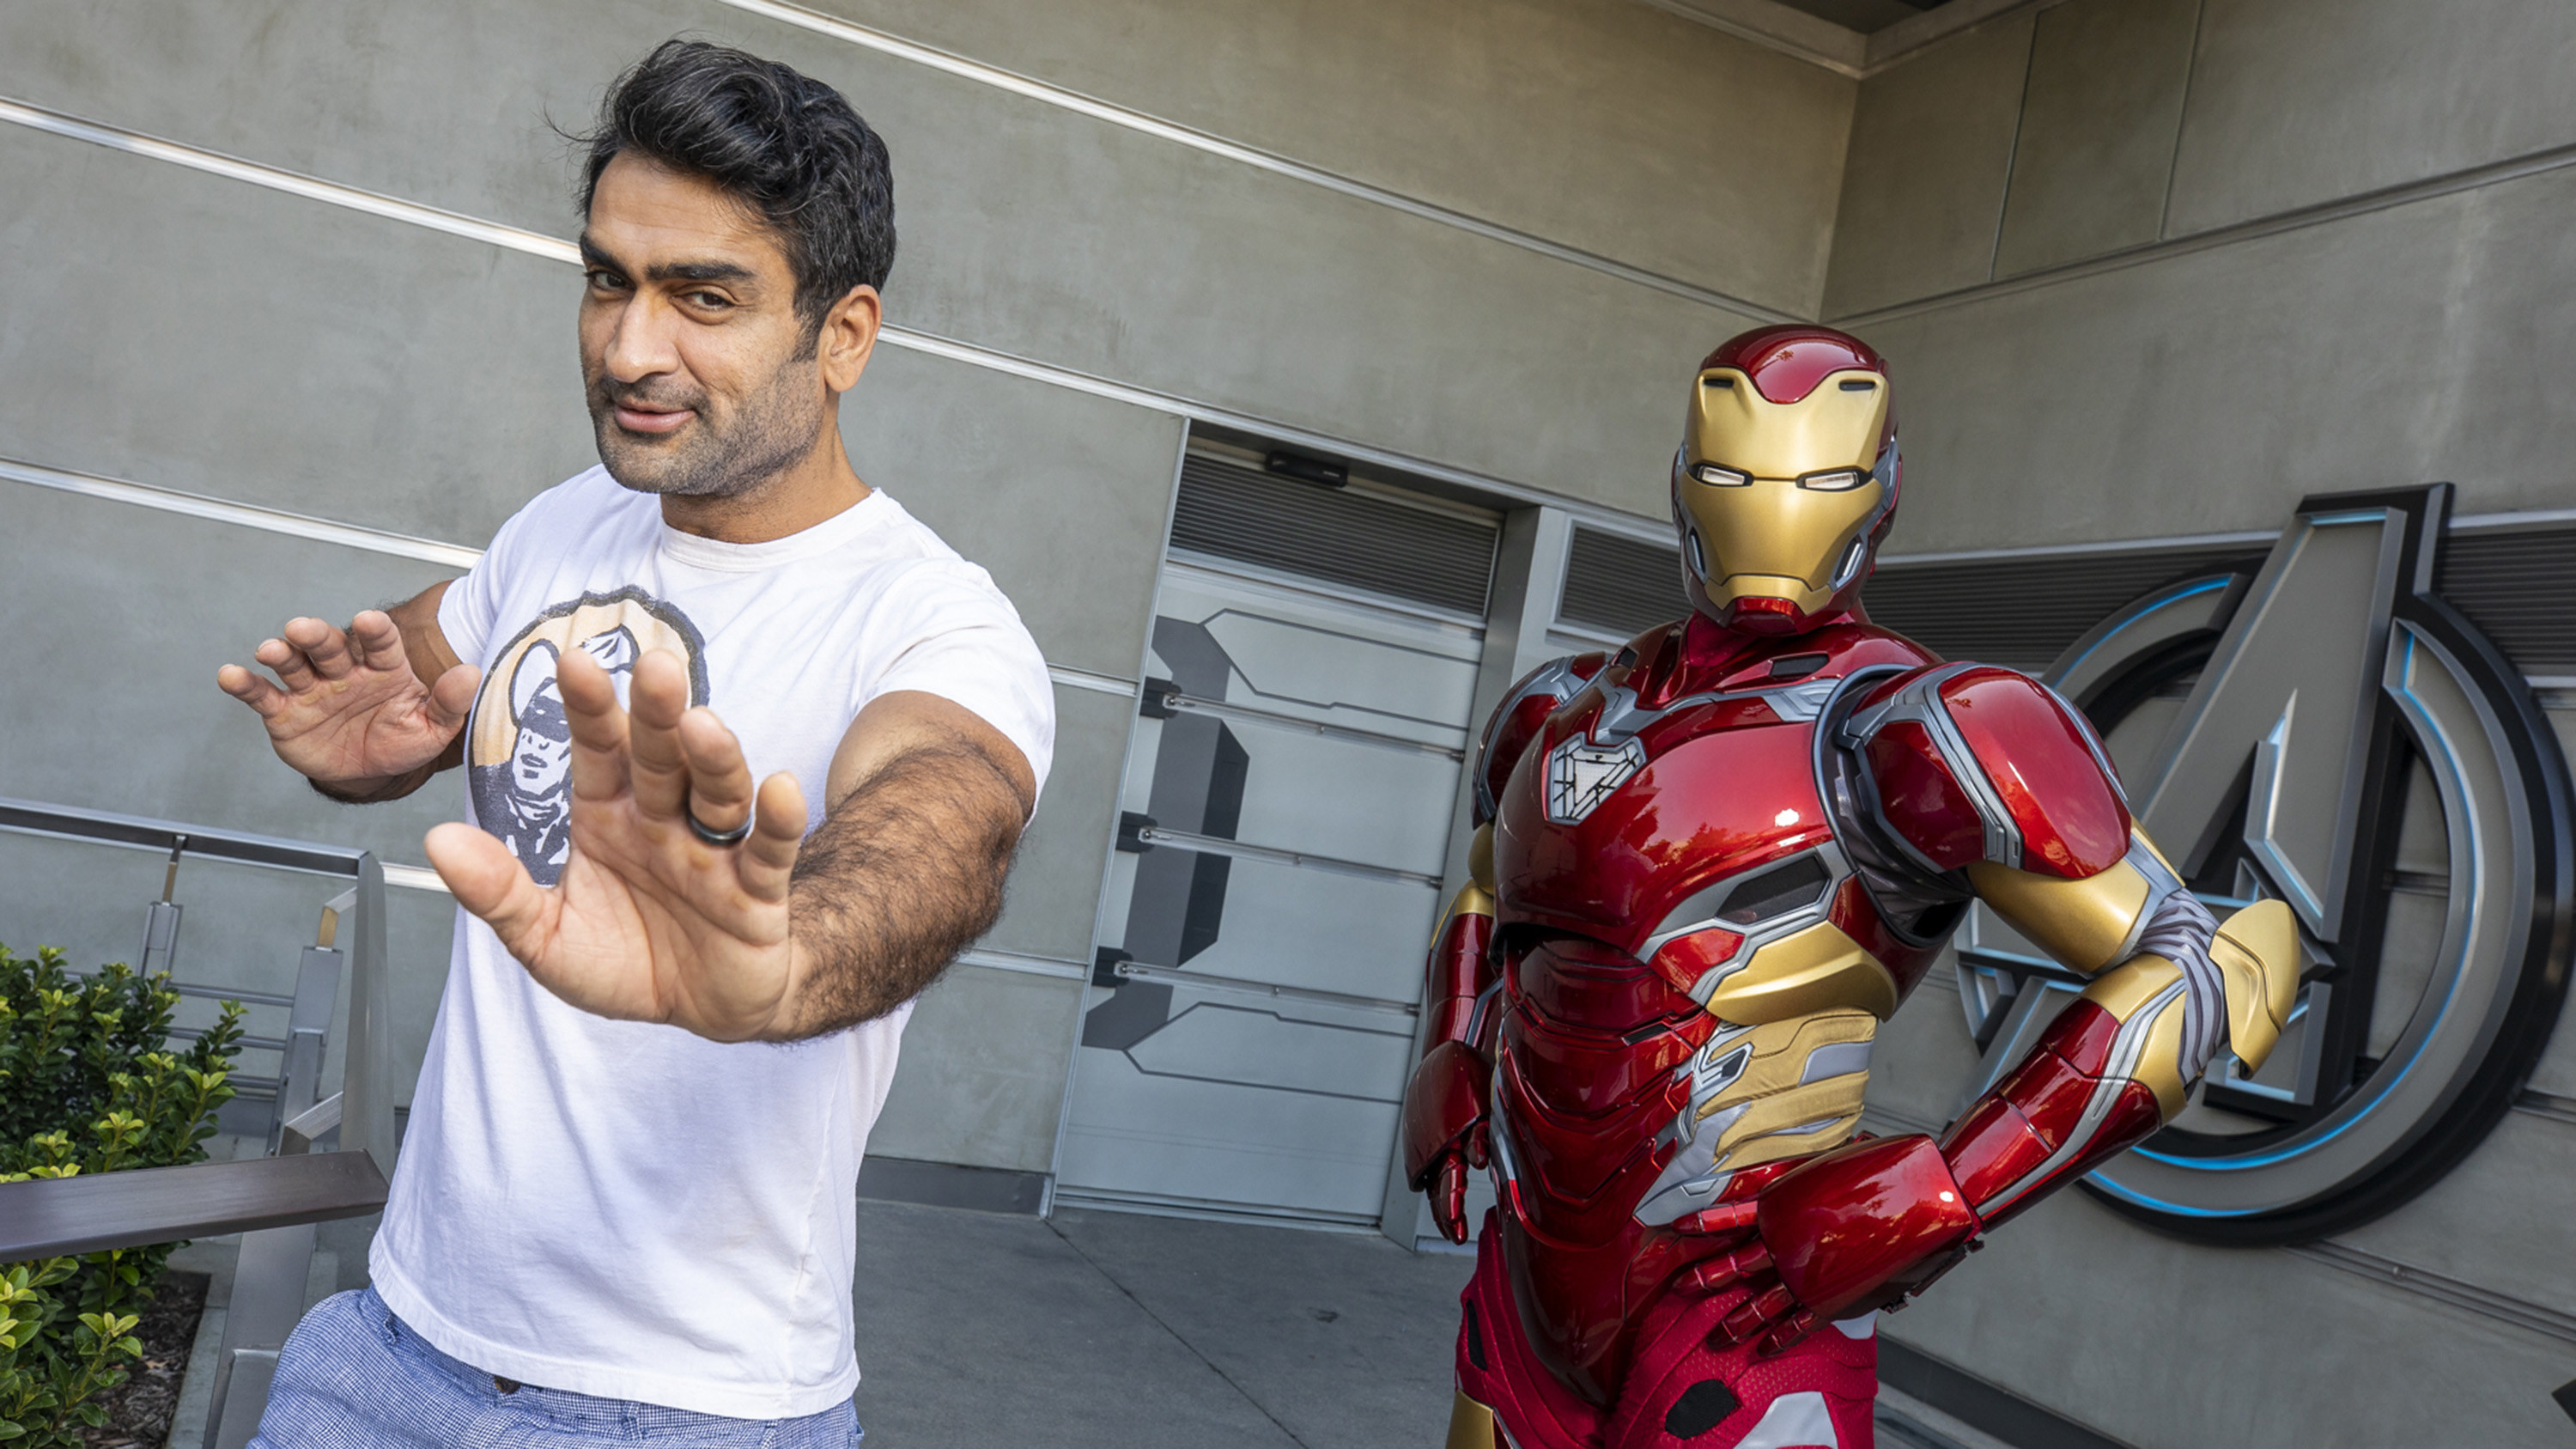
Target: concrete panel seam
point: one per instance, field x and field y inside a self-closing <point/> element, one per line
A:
<point x="2542" y="1104"/>
<point x="2012" y="157"/>
<point x="2483" y="1301"/>
<point x="2432" y="188"/>
<point x="350" y="535"/>
<point x="2173" y="162"/>
<point x="1093" y="108"/>
<point x="930" y="344"/>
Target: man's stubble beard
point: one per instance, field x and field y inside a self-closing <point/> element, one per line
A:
<point x="776" y="426"/>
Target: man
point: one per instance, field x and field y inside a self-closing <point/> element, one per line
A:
<point x="625" y="1205"/>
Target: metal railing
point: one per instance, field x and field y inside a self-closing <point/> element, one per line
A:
<point x="272" y="1201"/>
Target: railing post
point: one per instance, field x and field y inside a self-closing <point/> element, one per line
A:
<point x="366" y="1091"/>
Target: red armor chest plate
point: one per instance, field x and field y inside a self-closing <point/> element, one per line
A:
<point x="1627" y="839"/>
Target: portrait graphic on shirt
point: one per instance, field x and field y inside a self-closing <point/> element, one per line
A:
<point x="518" y="753"/>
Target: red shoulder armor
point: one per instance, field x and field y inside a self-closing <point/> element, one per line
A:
<point x="1520" y="717"/>
<point x="1970" y="762"/>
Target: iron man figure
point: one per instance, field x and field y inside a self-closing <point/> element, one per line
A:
<point x="1707" y="867"/>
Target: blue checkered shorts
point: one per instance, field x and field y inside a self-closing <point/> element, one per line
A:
<point x="353" y="1376"/>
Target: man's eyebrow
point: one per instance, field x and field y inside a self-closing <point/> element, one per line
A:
<point x="707" y="271"/>
<point x="698" y="272"/>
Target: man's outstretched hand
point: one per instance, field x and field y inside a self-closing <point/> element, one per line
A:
<point x="352" y="715"/>
<point x="648" y="922"/>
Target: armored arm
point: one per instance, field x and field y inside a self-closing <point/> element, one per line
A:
<point x="1445" y="1106"/>
<point x="1985" y="777"/>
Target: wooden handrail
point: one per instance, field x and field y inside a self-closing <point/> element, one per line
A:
<point x="57" y="1217"/>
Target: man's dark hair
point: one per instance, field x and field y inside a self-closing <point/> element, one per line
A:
<point x="786" y="145"/>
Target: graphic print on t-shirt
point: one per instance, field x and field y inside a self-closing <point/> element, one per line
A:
<point x="518" y="754"/>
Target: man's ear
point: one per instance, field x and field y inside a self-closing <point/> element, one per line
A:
<point x="849" y="337"/>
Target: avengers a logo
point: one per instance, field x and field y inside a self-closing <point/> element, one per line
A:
<point x="2329" y="733"/>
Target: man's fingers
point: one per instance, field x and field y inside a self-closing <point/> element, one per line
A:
<point x="287" y="662"/>
<point x="599" y="727"/>
<point x="377" y="640"/>
<point x="778" y="829"/>
<point x="660" y="696"/>
<point x="451" y="699"/>
<point x="719" y="782"/>
<point x="490" y="882"/>
<point x="251" y="690"/>
<point x="323" y="645"/>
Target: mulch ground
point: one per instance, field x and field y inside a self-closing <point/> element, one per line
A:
<point x="140" y="1409"/>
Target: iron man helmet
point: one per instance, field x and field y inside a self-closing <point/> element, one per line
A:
<point x="1786" y="479"/>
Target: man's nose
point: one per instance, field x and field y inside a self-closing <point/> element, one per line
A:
<point x="641" y="345"/>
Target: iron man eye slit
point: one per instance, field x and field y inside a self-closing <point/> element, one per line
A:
<point x="1830" y="480"/>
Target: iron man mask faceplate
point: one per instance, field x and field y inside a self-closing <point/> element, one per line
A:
<point x="1786" y="478"/>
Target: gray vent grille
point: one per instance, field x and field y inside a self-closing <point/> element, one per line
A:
<point x="2520" y="589"/>
<point x="1621" y="585"/>
<point x="1336" y="535"/>
<point x="2024" y="612"/>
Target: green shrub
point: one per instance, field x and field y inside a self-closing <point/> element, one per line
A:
<point x="88" y="1084"/>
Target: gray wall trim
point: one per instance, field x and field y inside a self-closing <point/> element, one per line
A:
<point x="2514" y="168"/>
<point x="1837" y="48"/>
<point x="1030" y="88"/>
<point x="134" y="143"/>
<point x="1501" y="491"/>
<point x="950" y="1185"/>
<point x="2388" y="1272"/>
<point x="268" y="520"/>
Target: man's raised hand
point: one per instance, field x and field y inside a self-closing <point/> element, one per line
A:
<point x="648" y="922"/>
<point x="353" y="715"/>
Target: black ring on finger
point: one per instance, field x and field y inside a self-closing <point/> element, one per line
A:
<point x="718" y="838"/>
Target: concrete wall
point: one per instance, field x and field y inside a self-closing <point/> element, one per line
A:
<point x="2155" y="267"/>
<point x="1483" y="236"/>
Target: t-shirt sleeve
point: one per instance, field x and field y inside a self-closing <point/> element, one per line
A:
<point x="960" y="639"/>
<point x="467" y="611"/>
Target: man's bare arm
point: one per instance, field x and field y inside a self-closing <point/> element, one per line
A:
<point x="777" y="937"/>
<point x="907" y="867"/>
<point x="366" y="713"/>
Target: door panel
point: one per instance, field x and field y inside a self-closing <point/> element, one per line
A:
<point x="1247" y="1038"/>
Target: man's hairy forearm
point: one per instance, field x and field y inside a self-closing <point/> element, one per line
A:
<point x="903" y="873"/>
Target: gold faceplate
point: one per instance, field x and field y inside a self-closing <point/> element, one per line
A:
<point x="2257" y="951"/>
<point x="1815" y="970"/>
<point x="2082" y="923"/>
<point x="1771" y="536"/>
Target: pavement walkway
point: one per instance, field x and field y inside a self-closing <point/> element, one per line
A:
<point x="1124" y="1331"/>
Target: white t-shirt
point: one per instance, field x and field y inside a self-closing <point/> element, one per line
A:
<point x="624" y="1209"/>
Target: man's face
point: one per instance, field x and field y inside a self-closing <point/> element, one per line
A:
<point x="538" y="763"/>
<point x="701" y="377"/>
